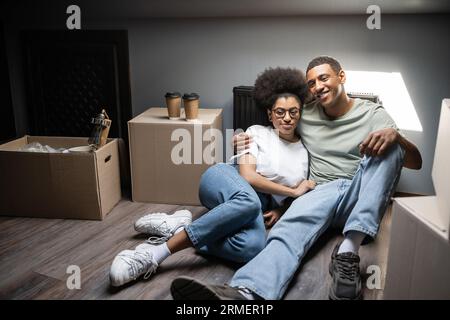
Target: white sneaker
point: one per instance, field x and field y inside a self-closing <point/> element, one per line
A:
<point x="129" y="265"/>
<point x="161" y="225"/>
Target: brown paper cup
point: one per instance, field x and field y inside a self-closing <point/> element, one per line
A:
<point x="173" y="108"/>
<point x="191" y="109"/>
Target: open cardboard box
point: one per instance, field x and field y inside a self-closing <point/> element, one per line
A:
<point x="81" y="185"/>
<point x="419" y="250"/>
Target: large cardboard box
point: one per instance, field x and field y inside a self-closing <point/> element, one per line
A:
<point x="82" y="185"/>
<point x="168" y="157"/>
<point x="419" y="251"/>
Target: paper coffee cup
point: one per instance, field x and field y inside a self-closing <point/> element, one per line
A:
<point x="173" y="102"/>
<point x="191" y="105"/>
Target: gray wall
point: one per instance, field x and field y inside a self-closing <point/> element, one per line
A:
<point x="211" y="56"/>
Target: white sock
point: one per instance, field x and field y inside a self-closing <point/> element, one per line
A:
<point x="179" y="230"/>
<point x="352" y="241"/>
<point x="248" y="294"/>
<point x="160" y="252"/>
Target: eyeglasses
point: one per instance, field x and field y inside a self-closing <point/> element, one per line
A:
<point x="280" y="113"/>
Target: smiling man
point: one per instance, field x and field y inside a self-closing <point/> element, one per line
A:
<point x="356" y="155"/>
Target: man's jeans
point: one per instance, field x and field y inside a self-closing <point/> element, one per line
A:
<point x="234" y="227"/>
<point x="357" y="204"/>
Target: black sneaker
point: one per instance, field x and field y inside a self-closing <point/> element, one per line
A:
<point x="344" y="269"/>
<point x="186" y="288"/>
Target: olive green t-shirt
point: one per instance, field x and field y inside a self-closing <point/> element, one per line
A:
<point x="333" y="144"/>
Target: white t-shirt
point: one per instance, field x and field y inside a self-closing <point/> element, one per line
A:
<point x="278" y="160"/>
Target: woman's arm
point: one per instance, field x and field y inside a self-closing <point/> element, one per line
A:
<point x="247" y="169"/>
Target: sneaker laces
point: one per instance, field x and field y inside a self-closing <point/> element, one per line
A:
<point x="160" y="228"/>
<point x="157" y="240"/>
<point x="161" y="239"/>
<point x="348" y="266"/>
<point x="138" y="264"/>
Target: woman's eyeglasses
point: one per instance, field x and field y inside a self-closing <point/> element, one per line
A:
<point x="280" y="113"/>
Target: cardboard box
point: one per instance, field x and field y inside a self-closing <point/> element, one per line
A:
<point x="59" y="185"/>
<point x="440" y="172"/>
<point x="156" y="141"/>
<point x="419" y="251"/>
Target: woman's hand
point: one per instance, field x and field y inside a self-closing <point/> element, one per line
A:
<point x="241" y="142"/>
<point x="271" y="217"/>
<point x="303" y="188"/>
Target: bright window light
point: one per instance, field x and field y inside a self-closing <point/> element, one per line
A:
<point x="391" y="89"/>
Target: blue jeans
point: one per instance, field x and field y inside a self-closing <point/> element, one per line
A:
<point x="233" y="228"/>
<point x="357" y="204"/>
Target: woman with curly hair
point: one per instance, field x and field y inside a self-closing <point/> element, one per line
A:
<point x="244" y="197"/>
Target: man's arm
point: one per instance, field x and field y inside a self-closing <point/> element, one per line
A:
<point x="379" y="141"/>
<point x="413" y="158"/>
<point x="241" y="142"/>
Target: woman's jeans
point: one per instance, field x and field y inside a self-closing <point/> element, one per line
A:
<point x="357" y="204"/>
<point x="233" y="228"/>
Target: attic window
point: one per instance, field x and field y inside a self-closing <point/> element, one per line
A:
<point x="392" y="91"/>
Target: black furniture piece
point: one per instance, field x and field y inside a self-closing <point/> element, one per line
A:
<point x="7" y="124"/>
<point x="71" y="76"/>
<point x="245" y="112"/>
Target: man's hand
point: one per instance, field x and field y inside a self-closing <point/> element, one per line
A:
<point x="241" y="142"/>
<point x="378" y="142"/>
<point x="271" y="217"/>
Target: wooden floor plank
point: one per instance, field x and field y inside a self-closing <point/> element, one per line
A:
<point x="27" y="286"/>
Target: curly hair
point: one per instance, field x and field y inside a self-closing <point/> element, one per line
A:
<point x="274" y="83"/>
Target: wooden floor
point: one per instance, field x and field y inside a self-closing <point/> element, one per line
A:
<point x="35" y="254"/>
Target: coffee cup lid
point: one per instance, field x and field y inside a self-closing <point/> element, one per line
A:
<point x="173" y="95"/>
<point x="191" y="96"/>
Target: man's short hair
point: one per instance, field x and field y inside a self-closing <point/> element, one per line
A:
<point x="317" y="61"/>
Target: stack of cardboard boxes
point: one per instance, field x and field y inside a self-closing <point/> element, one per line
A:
<point x="419" y="252"/>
